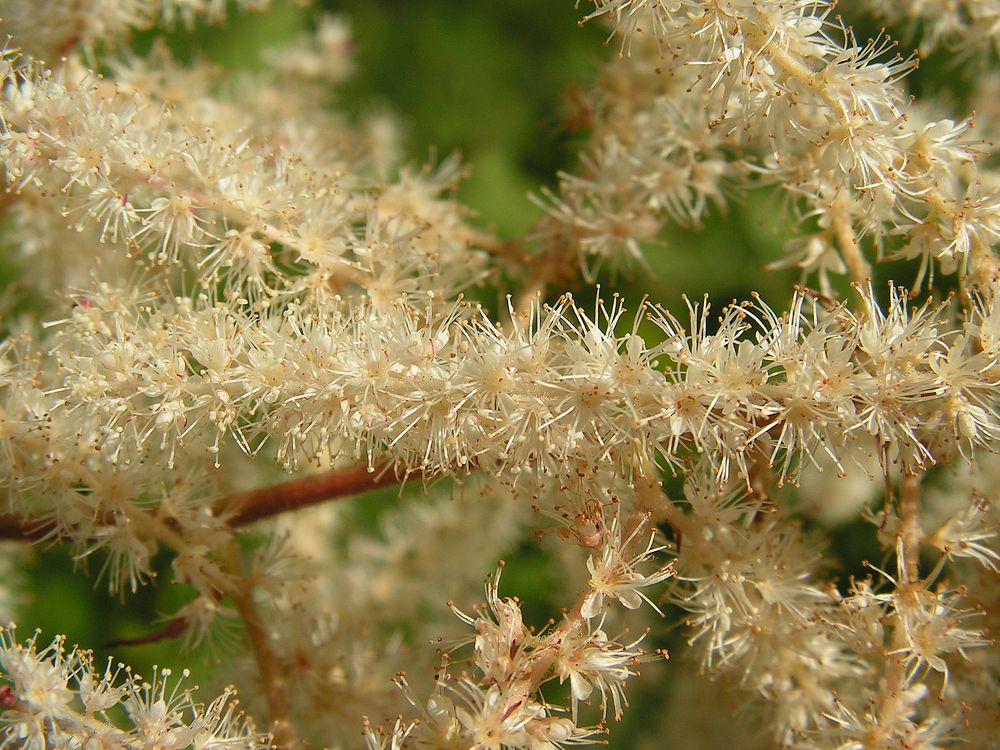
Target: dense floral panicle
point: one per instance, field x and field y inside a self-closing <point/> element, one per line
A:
<point x="746" y="588"/>
<point x="750" y="585"/>
<point x="262" y="212"/>
<point x="440" y="389"/>
<point x="57" y="699"/>
<point x="781" y="93"/>
<point x="502" y="707"/>
<point x="241" y="288"/>
<point x="53" y="28"/>
<point x="751" y="605"/>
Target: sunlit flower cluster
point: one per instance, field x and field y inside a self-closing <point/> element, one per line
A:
<point x="225" y="280"/>
<point x="57" y="698"/>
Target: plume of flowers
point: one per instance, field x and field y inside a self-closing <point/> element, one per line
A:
<point x="209" y="299"/>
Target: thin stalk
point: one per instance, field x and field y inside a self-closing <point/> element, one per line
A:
<point x="303" y="492"/>
<point x="908" y="540"/>
<point x="246" y="508"/>
<point x="271" y="679"/>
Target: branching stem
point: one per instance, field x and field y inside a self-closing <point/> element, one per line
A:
<point x="306" y="491"/>
<point x="272" y="682"/>
<point x="910" y="533"/>
<point x="909" y="537"/>
<point x="256" y="505"/>
<point x="850" y="249"/>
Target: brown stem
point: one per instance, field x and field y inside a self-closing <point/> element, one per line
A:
<point x="249" y="507"/>
<point x="173" y="629"/>
<point x="271" y="678"/>
<point x="302" y="492"/>
<point x="17" y="528"/>
<point x="910" y="533"/>
<point x="243" y="509"/>
<point x="890" y="703"/>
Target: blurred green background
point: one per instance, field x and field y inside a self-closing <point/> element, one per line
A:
<point x="491" y="81"/>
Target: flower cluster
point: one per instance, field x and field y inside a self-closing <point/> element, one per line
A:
<point x="55" y="697"/>
<point x="749" y="581"/>
<point x="449" y="390"/>
<point x="794" y="100"/>
<point x="504" y="708"/>
<point x="208" y="298"/>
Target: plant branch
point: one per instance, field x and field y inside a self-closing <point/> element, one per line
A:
<point x="910" y="533"/>
<point x="18" y="528"/>
<point x="270" y="672"/>
<point x="850" y="250"/>
<point x="249" y="507"/>
<point x="303" y="492"/>
<point x="908" y="540"/>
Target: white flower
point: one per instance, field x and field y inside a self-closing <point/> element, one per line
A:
<point x="60" y="701"/>
<point x="616" y="576"/>
<point x="590" y="660"/>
